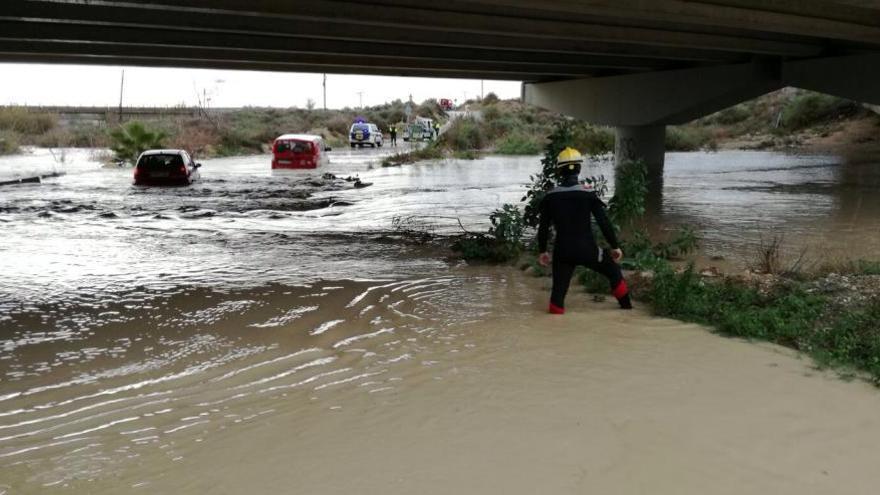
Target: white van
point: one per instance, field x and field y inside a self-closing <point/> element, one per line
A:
<point x="364" y="133"/>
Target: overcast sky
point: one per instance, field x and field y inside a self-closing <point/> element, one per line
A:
<point x="31" y="84"/>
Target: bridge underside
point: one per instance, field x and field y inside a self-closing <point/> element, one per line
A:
<point x="635" y="64"/>
<point x="523" y="40"/>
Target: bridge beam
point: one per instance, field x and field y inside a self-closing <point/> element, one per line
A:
<point x="656" y="98"/>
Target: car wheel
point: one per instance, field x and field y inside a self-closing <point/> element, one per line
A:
<point x="352" y="145"/>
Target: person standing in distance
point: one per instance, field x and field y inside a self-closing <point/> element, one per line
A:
<point x="568" y="208"/>
<point x="393" y="132"/>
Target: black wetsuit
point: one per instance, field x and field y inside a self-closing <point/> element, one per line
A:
<point x="568" y="208"/>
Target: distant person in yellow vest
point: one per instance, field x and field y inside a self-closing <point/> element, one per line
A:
<point x="393" y="132"/>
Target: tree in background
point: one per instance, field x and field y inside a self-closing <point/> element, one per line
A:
<point x="132" y="139"/>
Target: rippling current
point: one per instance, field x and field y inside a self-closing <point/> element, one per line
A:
<point x="134" y="320"/>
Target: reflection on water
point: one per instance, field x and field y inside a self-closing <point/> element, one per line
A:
<point x="824" y="203"/>
<point x="140" y="320"/>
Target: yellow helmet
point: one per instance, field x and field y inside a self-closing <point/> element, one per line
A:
<point x="569" y="156"/>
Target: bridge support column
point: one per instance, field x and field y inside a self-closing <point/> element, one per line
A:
<point x="647" y="144"/>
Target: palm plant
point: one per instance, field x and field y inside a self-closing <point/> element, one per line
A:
<point x="132" y="139"/>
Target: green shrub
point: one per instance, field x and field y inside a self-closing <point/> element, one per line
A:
<point x="22" y="121"/>
<point x="519" y="143"/>
<point x="8" y="142"/>
<point x="429" y="152"/>
<point x="784" y="316"/>
<point x="591" y="139"/>
<point x="807" y="109"/>
<point x="490" y="98"/>
<point x="544" y="181"/>
<point x="503" y="242"/>
<point x="630" y="190"/>
<point x="682" y="243"/>
<point x="132" y="139"/>
<point x="688" y="138"/>
<point x="491" y="113"/>
<point x="866" y="267"/>
<point x="502" y="126"/>
<point x="464" y="134"/>
<point x="852" y="339"/>
<point x="730" y="116"/>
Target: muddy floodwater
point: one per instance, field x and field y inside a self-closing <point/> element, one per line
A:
<point x="270" y="333"/>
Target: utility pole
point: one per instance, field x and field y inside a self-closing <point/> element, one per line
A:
<point x="121" y="90"/>
<point x="360" y="98"/>
<point x="481" y="90"/>
<point x="325" y="91"/>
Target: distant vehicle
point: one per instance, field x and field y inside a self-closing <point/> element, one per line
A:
<point x="165" y="168"/>
<point x="295" y="151"/>
<point x="420" y="130"/>
<point x="365" y="133"/>
<point x="446" y="104"/>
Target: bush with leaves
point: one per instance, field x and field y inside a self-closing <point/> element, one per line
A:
<point x="810" y="108"/>
<point x="630" y="190"/>
<point x="132" y="139"/>
<point x="8" y="142"/>
<point x="545" y="180"/>
<point x="503" y="242"/>
<point x="490" y="98"/>
<point x="23" y="121"/>
<point x="518" y="143"/>
<point x="463" y="135"/>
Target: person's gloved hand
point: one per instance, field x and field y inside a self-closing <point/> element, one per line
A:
<point x="544" y="259"/>
<point x="616" y="255"/>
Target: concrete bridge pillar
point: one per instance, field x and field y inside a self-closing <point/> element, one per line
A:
<point x="646" y="143"/>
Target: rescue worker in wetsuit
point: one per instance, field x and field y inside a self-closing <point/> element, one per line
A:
<point x="393" y="132"/>
<point x="568" y="208"/>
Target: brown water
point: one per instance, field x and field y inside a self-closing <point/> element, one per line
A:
<point x="258" y="332"/>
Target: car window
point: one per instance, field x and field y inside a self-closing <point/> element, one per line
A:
<point x="160" y="161"/>
<point x="301" y="147"/>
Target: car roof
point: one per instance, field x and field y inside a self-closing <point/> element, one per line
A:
<point x="300" y="137"/>
<point x="163" y="152"/>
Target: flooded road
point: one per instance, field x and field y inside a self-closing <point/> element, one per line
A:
<point x="242" y="225"/>
<point x="148" y="333"/>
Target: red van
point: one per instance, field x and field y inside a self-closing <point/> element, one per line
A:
<point x="293" y="151"/>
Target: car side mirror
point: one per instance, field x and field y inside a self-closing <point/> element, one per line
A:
<point x="328" y="148"/>
<point x="197" y="165"/>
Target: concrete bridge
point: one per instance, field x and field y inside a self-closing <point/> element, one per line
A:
<point x="634" y="64"/>
<point x="113" y="114"/>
